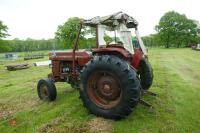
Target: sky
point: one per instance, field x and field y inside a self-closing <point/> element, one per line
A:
<point x="39" y="19"/>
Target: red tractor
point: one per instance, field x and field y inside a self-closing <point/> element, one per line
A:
<point x="110" y="77"/>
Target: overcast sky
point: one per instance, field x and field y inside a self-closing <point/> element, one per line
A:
<point x="39" y="19"/>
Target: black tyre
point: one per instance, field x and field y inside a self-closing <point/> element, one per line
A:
<point x="46" y="90"/>
<point x="109" y="87"/>
<point x="146" y="74"/>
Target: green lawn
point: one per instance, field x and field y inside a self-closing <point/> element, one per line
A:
<point x="176" y="109"/>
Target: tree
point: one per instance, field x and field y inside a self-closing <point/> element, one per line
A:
<point x="4" y="46"/>
<point x="67" y="32"/>
<point x="3" y="33"/>
<point x="3" y="30"/>
<point x="177" y="30"/>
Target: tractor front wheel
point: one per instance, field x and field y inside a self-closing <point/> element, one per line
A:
<point x="46" y="90"/>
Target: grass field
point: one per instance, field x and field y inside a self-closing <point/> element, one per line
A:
<point x="176" y="109"/>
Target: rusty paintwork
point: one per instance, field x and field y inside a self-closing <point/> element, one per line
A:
<point x="113" y="49"/>
<point x="59" y="59"/>
<point x="136" y="58"/>
<point x="81" y="57"/>
<point x="77" y="59"/>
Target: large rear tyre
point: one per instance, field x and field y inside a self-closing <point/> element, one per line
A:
<point x="146" y="74"/>
<point x="109" y="87"/>
<point x="46" y="90"/>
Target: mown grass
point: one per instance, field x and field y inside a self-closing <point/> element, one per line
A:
<point x="176" y="109"/>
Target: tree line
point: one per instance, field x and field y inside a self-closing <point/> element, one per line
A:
<point x="173" y="30"/>
<point x="17" y="45"/>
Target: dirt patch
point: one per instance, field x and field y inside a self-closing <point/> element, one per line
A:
<point x="100" y="125"/>
<point x="26" y="104"/>
<point x="6" y="111"/>
<point x="67" y="127"/>
<point x="12" y="122"/>
<point x="50" y="126"/>
<point x="8" y="108"/>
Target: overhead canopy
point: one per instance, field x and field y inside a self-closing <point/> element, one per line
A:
<point x="112" y="20"/>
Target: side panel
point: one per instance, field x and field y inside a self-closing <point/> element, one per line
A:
<point x="135" y="62"/>
<point x="56" y="68"/>
<point x="62" y="64"/>
<point x="133" y="59"/>
<point x="81" y="57"/>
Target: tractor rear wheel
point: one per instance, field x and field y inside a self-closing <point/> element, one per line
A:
<point x="146" y="74"/>
<point x="109" y="87"/>
<point x="46" y="90"/>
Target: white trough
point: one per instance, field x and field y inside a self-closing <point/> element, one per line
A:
<point x="198" y="47"/>
<point x="42" y="63"/>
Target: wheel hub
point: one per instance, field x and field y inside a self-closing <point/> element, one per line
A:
<point x="104" y="89"/>
<point x="44" y="92"/>
<point x="107" y="88"/>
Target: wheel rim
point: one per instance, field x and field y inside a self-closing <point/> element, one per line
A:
<point x="44" y="91"/>
<point x="104" y="89"/>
